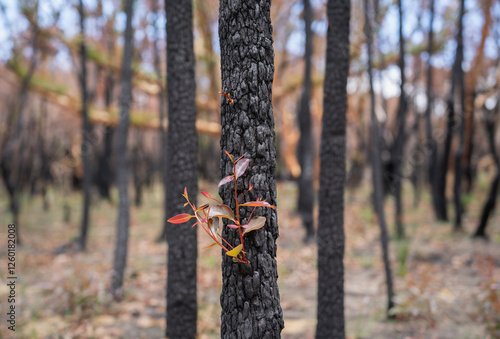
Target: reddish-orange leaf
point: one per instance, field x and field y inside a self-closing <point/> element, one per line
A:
<point x="181" y="218"/>
<point x="258" y="204"/>
<point x="210" y="245"/>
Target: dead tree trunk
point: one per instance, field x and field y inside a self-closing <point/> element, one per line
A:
<point x="331" y="239"/>
<point x="86" y="146"/>
<point x="121" y="247"/>
<point x="376" y="158"/>
<point x="305" y="150"/>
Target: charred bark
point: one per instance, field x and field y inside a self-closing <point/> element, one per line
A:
<point x="305" y="149"/>
<point x="489" y="205"/>
<point x="121" y="247"/>
<point x="376" y="159"/>
<point x="331" y="239"/>
<point x="457" y="187"/>
<point x="399" y="143"/>
<point x="86" y="146"/>
<point x="182" y="169"/>
<point x="250" y="296"/>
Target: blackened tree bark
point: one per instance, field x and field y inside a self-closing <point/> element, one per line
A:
<point x="104" y="172"/>
<point x="12" y="164"/>
<point x="399" y="142"/>
<point x="250" y="296"/>
<point x="305" y="149"/>
<point x="86" y="146"/>
<point x="461" y="137"/>
<point x="376" y="158"/>
<point x="161" y="116"/>
<point x="489" y="205"/>
<point x="121" y="248"/>
<point x="331" y="239"/>
<point x="450" y="126"/>
<point x="431" y="147"/>
<point x="182" y="169"/>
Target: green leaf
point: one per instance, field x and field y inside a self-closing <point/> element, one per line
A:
<point x="241" y="167"/>
<point x="180" y="218"/>
<point x="235" y="251"/>
<point x="220" y="211"/>
<point x="254" y="224"/>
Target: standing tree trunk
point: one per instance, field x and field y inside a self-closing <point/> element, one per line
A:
<point x="121" y="159"/>
<point x="461" y="96"/>
<point x="182" y="170"/>
<point x="161" y="116"/>
<point x="399" y="143"/>
<point x="376" y="157"/>
<point x="331" y="240"/>
<point x="305" y="150"/>
<point x="489" y="205"/>
<point x="86" y="147"/>
<point x="250" y="296"/>
<point x="431" y="148"/>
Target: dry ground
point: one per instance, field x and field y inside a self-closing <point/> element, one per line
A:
<point x="447" y="285"/>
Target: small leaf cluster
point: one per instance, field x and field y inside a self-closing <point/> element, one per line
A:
<point x="209" y="216"/>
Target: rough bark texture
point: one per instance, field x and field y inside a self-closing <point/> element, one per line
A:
<point x="376" y="158"/>
<point x="398" y="147"/>
<point x="331" y="239"/>
<point x="457" y="187"/>
<point x="86" y="146"/>
<point x="182" y="169"/>
<point x="250" y="297"/>
<point x="121" y="247"/>
<point x="305" y="150"/>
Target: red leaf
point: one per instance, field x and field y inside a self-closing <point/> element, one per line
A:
<point x="227" y="179"/>
<point x="241" y="167"/>
<point x="232" y="226"/>
<point x="255" y="224"/>
<point x="180" y="218"/>
<point x="258" y="204"/>
<point x="205" y="193"/>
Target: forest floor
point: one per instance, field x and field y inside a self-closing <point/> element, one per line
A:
<point x="447" y="284"/>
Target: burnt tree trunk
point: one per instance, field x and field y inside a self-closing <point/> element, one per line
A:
<point x="376" y="158"/>
<point x="104" y="173"/>
<point x="431" y="147"/>
<point x="489" y="205"/>
<point x="457" y="187"/>
<point x="182" y="170"/>
<point x="331" y="239"/>
<point x="121" y="247"/>
<point x="305" y="149"/>
<point x="250" y="296"/>
<point x="86" y="146"/>
<point x="161" y="116"/>
<point x="399" y="142"/>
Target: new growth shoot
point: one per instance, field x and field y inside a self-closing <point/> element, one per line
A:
<point x="208" y="216"/>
